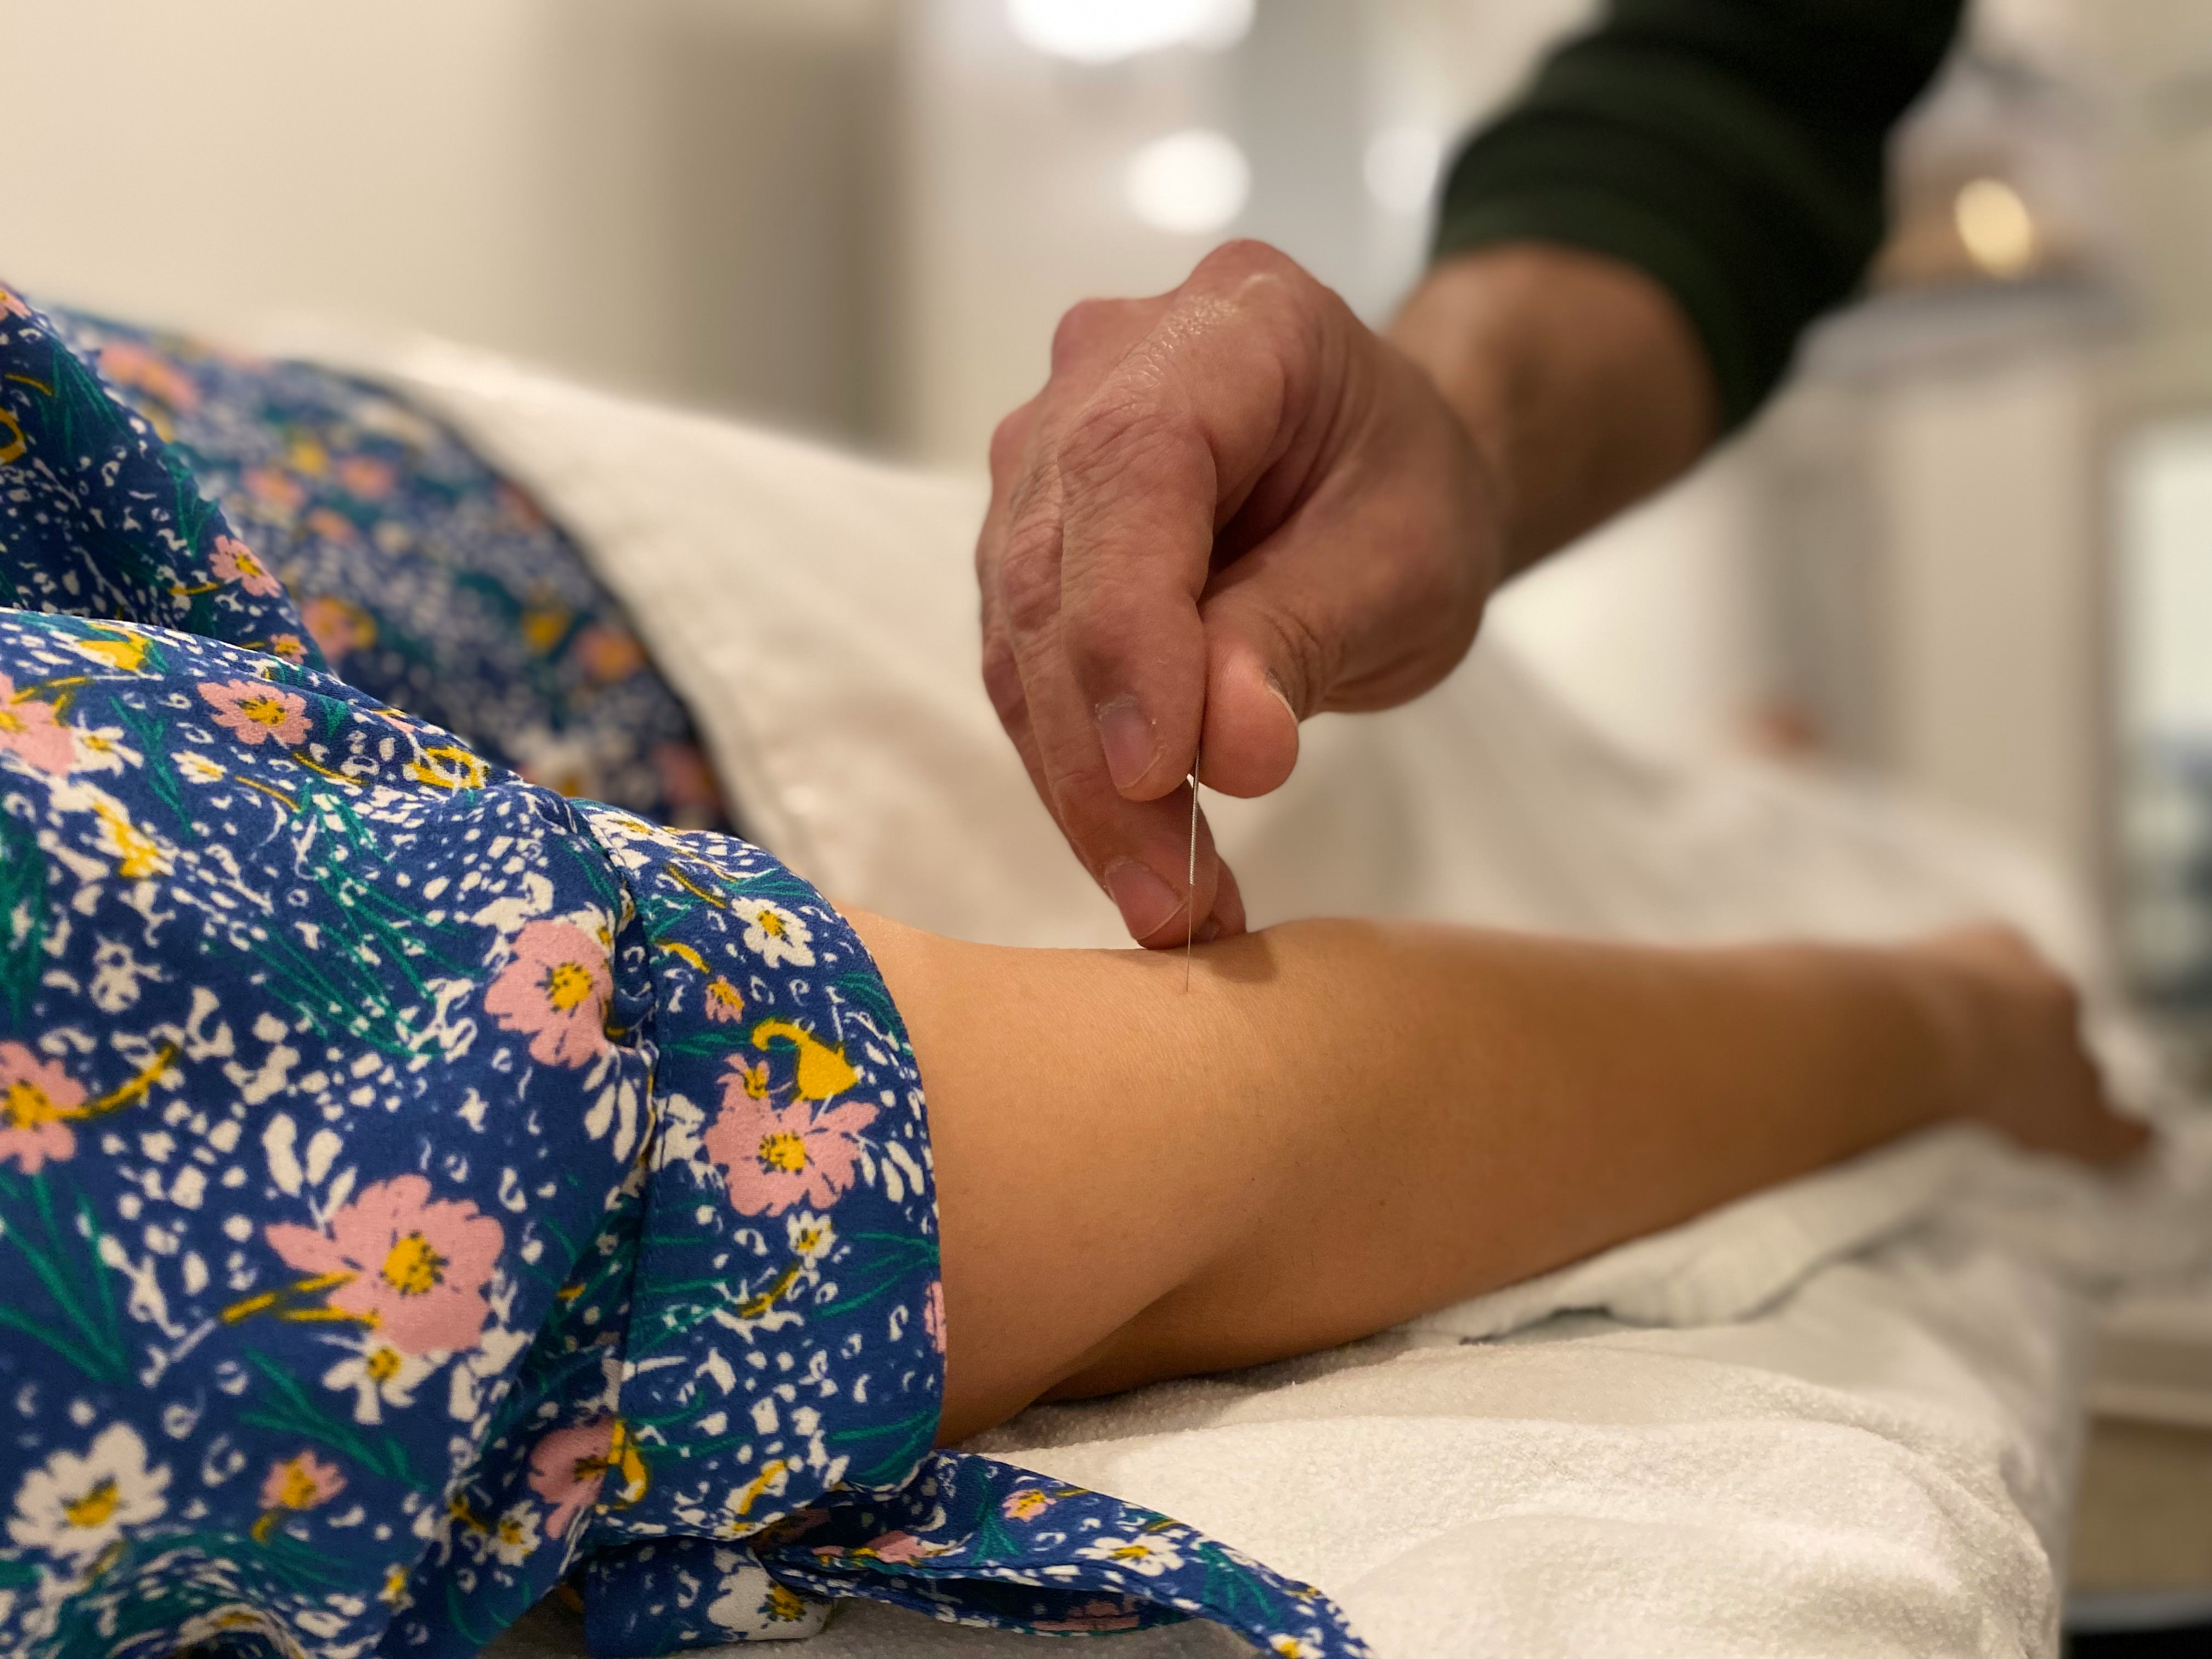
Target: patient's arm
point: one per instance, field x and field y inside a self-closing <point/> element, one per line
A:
<point x="1342" y="1125"/>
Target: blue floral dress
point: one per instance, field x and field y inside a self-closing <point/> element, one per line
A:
<point x="423" y="577"/>
<point x="419" y="1190"/>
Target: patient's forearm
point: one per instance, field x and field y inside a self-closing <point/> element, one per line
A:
<point x="1461" y="1110"/>
<point x="1342" y="1125"/>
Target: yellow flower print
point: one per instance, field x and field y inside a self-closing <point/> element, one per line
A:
<point x="544" y="627"/>
<point x="626" y="1466"/>
<point x="125" y="653"/>
<point x="824" y="1072"/>
<point x="136" y="853"/>
<point x="444" y="766"/>
<point x="784" y="1604"/>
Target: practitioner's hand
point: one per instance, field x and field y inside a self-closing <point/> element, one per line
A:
<point x="1231" y="506"/>
<point x="1235" y="506"/>
<point x="2025" y="1069"/>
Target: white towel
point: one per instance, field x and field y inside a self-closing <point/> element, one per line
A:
<point x="1848" y="1428"/>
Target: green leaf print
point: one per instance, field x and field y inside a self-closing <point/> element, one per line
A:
<point x="289" y="1409"/>
<point x="81" y="1325"/>
<point x="23" y="915"/>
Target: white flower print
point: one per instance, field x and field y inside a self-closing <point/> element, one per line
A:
<point x="380" y="1375"/>
<point x="115" y="976"/>
<point x="75" y="1507"/>
<point x="395" y="1594"/>
<point x="773" y="934"/>
<point x="811" y="1235"/>
<point x="199" y="767"/>
<point x="1149" y="1556"/>
<point x="102" y="749"/>
<point x="514" y="1535"/>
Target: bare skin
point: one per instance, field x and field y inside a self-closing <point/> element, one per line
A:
<point x="1343" y="1125"/>
<point x="1235" y="506"/>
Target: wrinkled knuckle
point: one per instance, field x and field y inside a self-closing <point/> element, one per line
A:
<point x="1111" y="435"/>
<point x="1098" y="635"/>
<point x="1029" y="576"/>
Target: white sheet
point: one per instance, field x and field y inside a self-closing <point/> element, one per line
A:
<point x="1851" y="1427"/>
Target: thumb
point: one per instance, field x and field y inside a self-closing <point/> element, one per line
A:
<point x="1250" y="742"/>
<point x="1262" y="680"/>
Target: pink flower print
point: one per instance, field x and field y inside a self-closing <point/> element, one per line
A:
<point x="896" y="1549"/>
<point x="933" y="1315"/>
<point x="276" y="489"/>
<point x="339" y="626"/>
<point x="234" y="561"/>
<point x="290" y="647"/>
<point x="304" y="1482"/>
<point x="411" y="1269"/>
<point x="299" y="1483"/>
<point x="1027" y="1504"/>
<point x="127" y="363"/>
<point x="332" y="526"/>
<point x="569" y="1467"/>
<point x="256" y="710"/>
<point x="12" y="306"/>
<point x="726" y="1004"/>
<point x="775" y="1156"/>
<point x="556" y="987"/>
<point x="366" y="476"/>
<point x="36" y="1099"/>
<point x="29" y="732"/>
<point x="608" y="654"/>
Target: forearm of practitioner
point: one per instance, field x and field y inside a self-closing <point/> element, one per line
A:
<point x="1341" y="1124"/>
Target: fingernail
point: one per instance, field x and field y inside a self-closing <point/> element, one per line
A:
<point x="1281" y="695"/>
<point x="1128" y="739"/>
<point x="1145" y="901"/>
<point x="1208" y="933"/>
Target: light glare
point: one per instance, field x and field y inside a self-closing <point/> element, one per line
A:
<point x="1106" y="31"/>
<point x="1996" y="227"/>
<point x="1189" y="182"/>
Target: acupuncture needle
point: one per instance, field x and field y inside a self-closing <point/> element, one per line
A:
<point x="1190" y="880"/>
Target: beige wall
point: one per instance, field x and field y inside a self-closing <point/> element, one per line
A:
<point x="667" y="193"/>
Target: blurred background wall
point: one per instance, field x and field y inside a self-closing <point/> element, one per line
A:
<point x="1971" y="548"/>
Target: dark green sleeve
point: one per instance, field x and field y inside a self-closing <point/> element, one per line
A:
<point x="1732" y="148"/>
